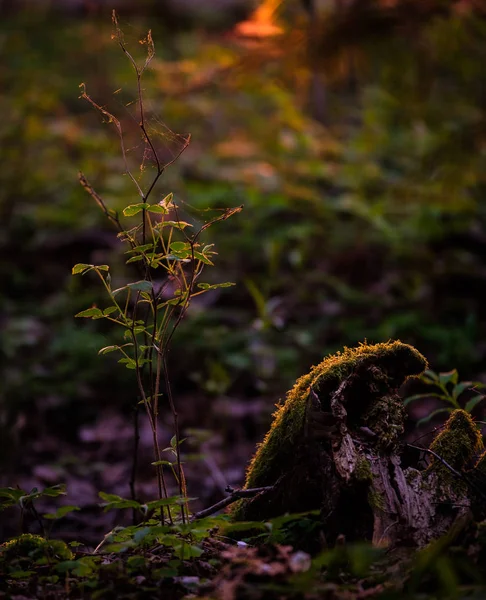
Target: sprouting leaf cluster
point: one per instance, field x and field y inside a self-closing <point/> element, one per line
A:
<point x="447" y="388"/>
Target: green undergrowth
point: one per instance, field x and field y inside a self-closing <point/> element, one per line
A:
<point x="197" y="559"/>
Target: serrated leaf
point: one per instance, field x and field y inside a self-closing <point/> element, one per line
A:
<point x="133" y="209"/>
<point x="473" y="402"/>
<point x="90" y="313"/>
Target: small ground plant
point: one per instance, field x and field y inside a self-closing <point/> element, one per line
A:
<point x="447" y="388"/>
<point x="170" y="257"/>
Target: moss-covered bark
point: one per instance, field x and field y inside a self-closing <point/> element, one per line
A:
<point x="335" y="446"/>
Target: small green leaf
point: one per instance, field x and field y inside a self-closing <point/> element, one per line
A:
<point x="185" y="551"/>
<point x="433" y="414"/>
<point x="180" y="246"/>
<point x="110" y="310"/>
<point x="176" y="224"/>
<point x="167" y="200"/>
<point x="422" y="396"/>
<point x="90" y="313"/>
<point x="108" y="349"/>
<point x="134" y="259"/>
<point x="81" y="268"/>
<point x="448" y="377"/>
<point x="203" y="258"/>
<point x="473" y="402"/>
<point x="134" y="209"/>
<point x="156" y="208"/>
<point x="128" y="362"/>
<point x="207" y="286"/>
<point x="140" y="249"/>
<point x="429" y="376"/>
<point x="140" y="286"/>
<point x="112" y="501"/>
<point x="54" y="491"/>
<point x="61" y="512"/>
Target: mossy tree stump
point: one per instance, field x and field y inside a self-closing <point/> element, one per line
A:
<point x="335" y="446"/>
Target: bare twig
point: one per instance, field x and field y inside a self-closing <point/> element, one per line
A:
<point x="233" y="497"/>
<point x="458" y="474"/>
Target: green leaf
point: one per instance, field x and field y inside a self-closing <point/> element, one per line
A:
<point x="133" y="209"/>
<point x="91" y="313"/>
<point x="10" y="497"/>
<point x="134" y="259"/>
<point x="213" y="286"/>
<point x="128" y="362"/>
<point x="171" y="501"/>
<point x="186" y="551"/>
<point x="421" y="396"/>
<point x="156" y="208"/>
<point x="175" y="224"/>
<point x="473" y="402"/>
<point x="203" y="258"/>
<point x="167" y="200"/>
<point x="55" y="490"/>
<point x="108" y="349"/>
<point x="110" y="310"/>
<point x="448" y="377"/>
<point x="112" y="501"/>
<point x="140" y="249"/>
<point x="140" y="286"/>
<point x="433" y="414"/>
<point x="180" y="247"/>
<point x="460" y="387"/>
<point x="61" y="512"/>
<point x="81" y="268"/>
<point x="429" y="376"/>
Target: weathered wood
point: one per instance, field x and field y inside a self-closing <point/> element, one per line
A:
<point x="335" y="445"/>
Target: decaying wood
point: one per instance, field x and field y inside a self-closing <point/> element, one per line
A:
<point x="346" y="462"/>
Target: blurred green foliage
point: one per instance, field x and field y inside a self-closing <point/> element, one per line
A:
<point x="370" y="226"/>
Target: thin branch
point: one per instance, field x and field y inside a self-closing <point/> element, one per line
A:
<point x="233" y="497"/>
<point x="458" y="474"/>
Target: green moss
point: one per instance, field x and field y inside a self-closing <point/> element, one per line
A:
<point x="396" y="360"/>
<point x="376" y="500"/>
<point x="362" y="471"/>
<point x="386" y="418"/>
<point x="457" y="445"/>
<point x="28" y="548"/>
